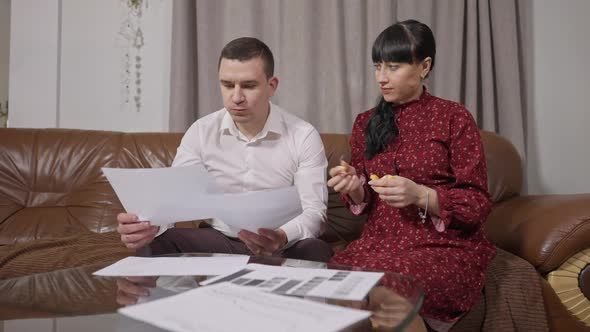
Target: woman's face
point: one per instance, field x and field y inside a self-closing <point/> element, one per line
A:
<point x="401" y="82"/>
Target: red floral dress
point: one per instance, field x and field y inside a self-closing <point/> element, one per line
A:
<point x="438" y="146"/>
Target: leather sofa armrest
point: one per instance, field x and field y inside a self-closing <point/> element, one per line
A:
<point x="544" y="229"/>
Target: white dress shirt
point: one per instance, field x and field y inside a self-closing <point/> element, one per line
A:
<point x="287" y="151"/>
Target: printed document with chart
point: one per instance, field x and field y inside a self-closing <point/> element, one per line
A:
<point x="326" y="283"/>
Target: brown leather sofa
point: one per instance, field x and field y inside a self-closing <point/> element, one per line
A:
<point x="51" y="186"/>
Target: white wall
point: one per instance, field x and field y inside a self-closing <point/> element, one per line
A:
<point x="33" y="63"/>
<point x="558" y="135"/>
<point x="91" y="80"/>
<point x="81" y="72"/>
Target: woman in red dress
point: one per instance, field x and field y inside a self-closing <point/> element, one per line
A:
<point x="427" y="209"/>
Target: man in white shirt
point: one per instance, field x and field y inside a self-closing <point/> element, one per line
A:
<point x="250" y="144"/>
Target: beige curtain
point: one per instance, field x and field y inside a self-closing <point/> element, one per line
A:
<point x="322" y="53"/>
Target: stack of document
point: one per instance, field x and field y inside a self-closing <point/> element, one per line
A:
<point x="302" y="282"/>
<point x="253" y="295"/>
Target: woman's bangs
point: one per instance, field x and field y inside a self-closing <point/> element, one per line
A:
<point x="393" y="45"/>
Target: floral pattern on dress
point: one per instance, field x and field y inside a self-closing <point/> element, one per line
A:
<point x="438" y="146"/>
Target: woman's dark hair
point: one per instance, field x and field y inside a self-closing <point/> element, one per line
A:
<point x="403" y="42"/>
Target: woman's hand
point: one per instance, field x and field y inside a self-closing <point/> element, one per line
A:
<point x="398" y="191"/>
<point x="344" y="180"/>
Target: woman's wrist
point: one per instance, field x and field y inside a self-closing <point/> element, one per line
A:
<point x="427" y="195"/>
<point x="357" y="196"/>
<point x="423" y="193"/>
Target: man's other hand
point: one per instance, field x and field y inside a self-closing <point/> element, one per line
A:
<point x="267" y="242"/>
<point x="134" y="233"/>
<point x="130" y="289"/>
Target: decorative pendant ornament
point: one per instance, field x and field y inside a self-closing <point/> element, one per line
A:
<point x="138" y="41"/>
<point x="3" y="115"/>
<point x="133" y="37"/>
<point x="138" y="44"/>
<point x="134" y="3"/>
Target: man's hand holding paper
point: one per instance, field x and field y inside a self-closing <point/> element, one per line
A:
<point x="134" y="233"/>
<point x="266" y="242"/>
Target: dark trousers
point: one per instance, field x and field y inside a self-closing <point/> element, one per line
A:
<point x="209" y="240"/>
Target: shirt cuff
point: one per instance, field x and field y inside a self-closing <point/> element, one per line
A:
<point x="293" y="232"/>
<point x="438" y="223"/>
<point x="443" y="220"/>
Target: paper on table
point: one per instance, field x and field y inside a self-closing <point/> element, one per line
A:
<point x="208" y="309"/>
<point x="333" y="284"/>
<point x="173" y="266"/>
<point x="167" y="195"/>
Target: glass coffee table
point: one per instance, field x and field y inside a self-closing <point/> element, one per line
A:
<point x="75" y="300"/>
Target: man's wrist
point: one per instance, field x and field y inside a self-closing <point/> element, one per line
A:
<point x="284" y="237"/>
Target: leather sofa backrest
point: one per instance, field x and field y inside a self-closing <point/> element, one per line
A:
<point x="505" y="175"/>
<point x="51" y="184"/>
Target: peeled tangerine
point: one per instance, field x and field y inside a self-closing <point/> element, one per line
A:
<point x="376" y="177"/>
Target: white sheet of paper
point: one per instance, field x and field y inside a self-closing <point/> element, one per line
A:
<point x="259" y="209"/>
<point x="173" y="266"/>
<point x="168" y="195"/>
<point x="156" y="194"/>
<point x="225" y="307"/>
<point x="333" y="284"/>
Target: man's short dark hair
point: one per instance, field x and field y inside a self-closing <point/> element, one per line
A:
<point x="247" y="48"/>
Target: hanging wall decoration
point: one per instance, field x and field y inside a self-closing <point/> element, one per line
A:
<point x="3" y="115"/>
<point x="133" y="39"/>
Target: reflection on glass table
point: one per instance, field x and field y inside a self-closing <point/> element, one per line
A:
<point x="75" y="295"/>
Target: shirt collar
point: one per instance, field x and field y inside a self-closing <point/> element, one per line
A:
<point x="274" y="124"/>
<point x="423" y="97"/>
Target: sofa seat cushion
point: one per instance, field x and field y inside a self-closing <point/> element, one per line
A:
<point x="512" y="299"/>
<point x="50" y="255"/>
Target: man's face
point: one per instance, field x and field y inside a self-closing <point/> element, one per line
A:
<point x="246" y="91"/>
